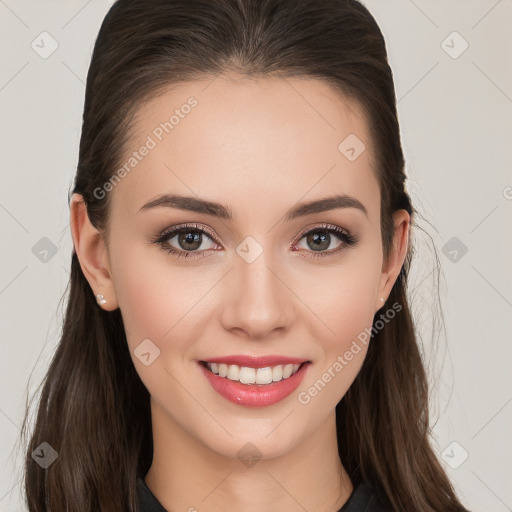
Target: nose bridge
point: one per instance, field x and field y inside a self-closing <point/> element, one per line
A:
<point x="256" y="300"/>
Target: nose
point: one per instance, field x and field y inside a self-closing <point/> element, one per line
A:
<point x="256" y="299"/>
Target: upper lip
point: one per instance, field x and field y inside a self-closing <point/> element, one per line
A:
<point x="256" y="362"/>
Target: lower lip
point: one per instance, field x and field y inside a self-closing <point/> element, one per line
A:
<point x="255" y="395"/>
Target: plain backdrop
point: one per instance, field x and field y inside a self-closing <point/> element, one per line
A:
<point x="452" y="68"/>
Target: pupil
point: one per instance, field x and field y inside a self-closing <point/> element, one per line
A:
<point x="320" y="241"/>
<point x="189" y="238"/>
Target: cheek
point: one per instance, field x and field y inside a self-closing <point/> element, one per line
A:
<point x="344" y="309"/>
<point x="140" y="284"/>
<point x="343" y="298"/>
<point x="160" y="304"/>
<point x="157" y="300"/>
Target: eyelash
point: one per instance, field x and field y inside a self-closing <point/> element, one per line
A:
<point x="347" y="239"/>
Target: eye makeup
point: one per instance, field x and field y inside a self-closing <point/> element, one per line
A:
<point x="318" y="232"/>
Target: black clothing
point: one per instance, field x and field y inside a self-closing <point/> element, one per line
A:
<point x="362" y="499"/>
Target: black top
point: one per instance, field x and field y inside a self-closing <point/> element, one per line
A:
<point x="362" y="499"/>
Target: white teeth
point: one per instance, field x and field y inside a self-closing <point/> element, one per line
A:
<point x="247" y="375"/>
<point x="287" y="371"/>
<point x="277" y="373"/>
<point x="233" y="372"/>
<point x="263" y="375"/>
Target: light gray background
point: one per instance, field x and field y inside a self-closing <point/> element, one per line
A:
<point x="455" y="116"/>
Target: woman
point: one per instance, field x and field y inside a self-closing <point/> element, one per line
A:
<point x="237" y="335"/>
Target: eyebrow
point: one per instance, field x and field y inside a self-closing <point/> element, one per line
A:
<point x="205" y="207"/>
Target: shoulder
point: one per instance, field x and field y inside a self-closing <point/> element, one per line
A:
<point x="147" y="501"/>
<point x="364" y="498"/>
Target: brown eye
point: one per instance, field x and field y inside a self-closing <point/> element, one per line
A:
<point x="189" y="241"/>
<point x="192" y="241"/>
<point x="320" y="239"/>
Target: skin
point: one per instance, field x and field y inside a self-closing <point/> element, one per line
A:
<point x="260" y="147"/>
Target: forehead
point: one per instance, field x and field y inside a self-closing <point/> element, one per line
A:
<point x="232" y="140"/>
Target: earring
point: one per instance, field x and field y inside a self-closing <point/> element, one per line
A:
<point x="382" y="299"/>
<point x="100" y="299"/>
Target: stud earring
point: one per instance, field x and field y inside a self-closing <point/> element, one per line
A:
<point x="382" y="299"/>
<point x="100" y="299"/>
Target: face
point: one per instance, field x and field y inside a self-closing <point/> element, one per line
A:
<point x="250" y="279"/>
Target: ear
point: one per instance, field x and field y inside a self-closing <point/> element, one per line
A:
<point x="92" y="253"/>
<point x="398" y="251"/>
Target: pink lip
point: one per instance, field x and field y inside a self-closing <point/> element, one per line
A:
<point x="256" y="362"/>
<point x="255" y="395"/>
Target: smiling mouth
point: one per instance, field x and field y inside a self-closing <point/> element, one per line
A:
<point x="258" y="376"/>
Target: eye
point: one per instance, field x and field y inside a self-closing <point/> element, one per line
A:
<point x="190" y="239"/>
<point x="320" y="239"/>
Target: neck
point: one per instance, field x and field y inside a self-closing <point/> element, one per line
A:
<point x="188" y="475"/>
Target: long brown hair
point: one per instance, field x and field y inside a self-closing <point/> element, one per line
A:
<point x="93" y="408"/>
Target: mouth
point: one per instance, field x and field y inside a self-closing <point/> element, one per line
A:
<point x="251" y="386"/>
<point x="249" y="375"/>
